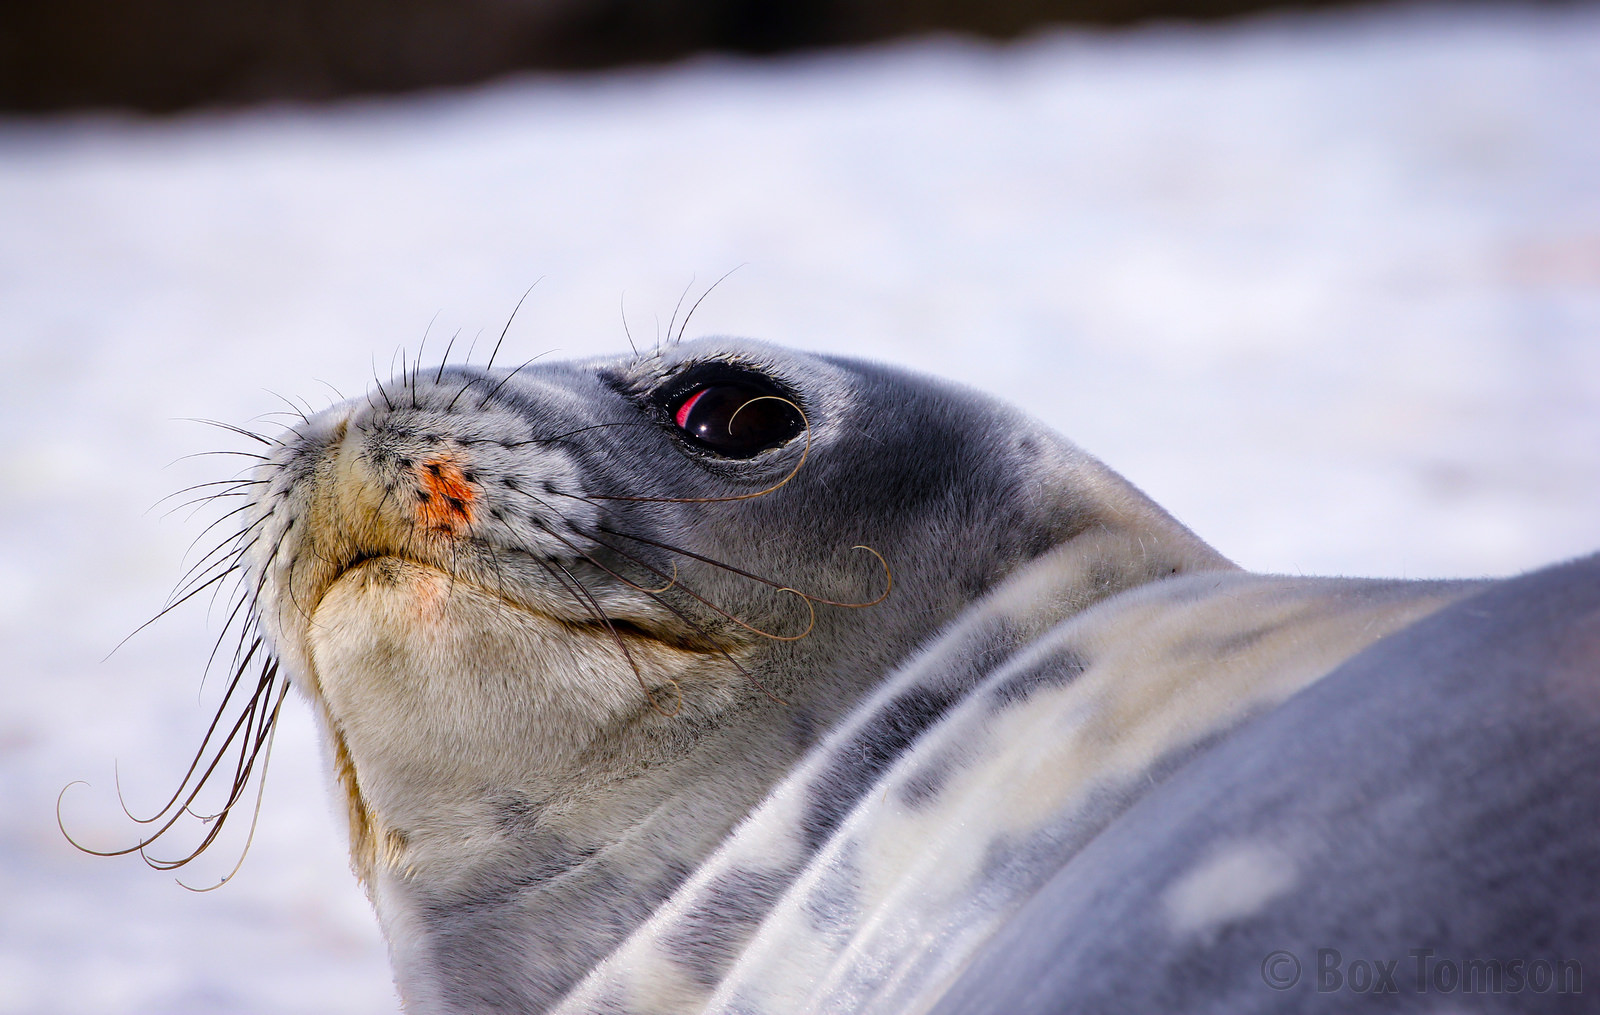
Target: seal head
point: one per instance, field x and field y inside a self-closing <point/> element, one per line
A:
<point x="565" y="625"/>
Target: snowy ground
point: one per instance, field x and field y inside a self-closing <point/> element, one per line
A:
<point x="1328" y="288"/>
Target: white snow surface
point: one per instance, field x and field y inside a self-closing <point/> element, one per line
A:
<point x="1327" y="287"/>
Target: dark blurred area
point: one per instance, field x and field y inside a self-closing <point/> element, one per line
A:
<point x="163" y="55"/>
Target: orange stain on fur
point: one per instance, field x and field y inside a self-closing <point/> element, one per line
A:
<point x="444" y="496"/>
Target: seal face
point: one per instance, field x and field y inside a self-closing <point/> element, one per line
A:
<point x="729" y="678"/>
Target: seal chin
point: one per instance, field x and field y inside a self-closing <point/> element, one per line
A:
<point x="441" y="643"/>
<point x="436" y="687"/>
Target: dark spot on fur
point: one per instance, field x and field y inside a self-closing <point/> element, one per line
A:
<point x="713" y="932"/>
<point x="516" y="813"/>
<point x="470" y="477"/>
<point x="1242" y="640"/>
<point x="424" y="496"/>
<point x="1061" y="668"/>
<point x="923" y="786"/>
<point x="833" y="907"/>
<point x="858" y="763"/>
<point x="802" y="728"/>
<point x="549" y="487"/>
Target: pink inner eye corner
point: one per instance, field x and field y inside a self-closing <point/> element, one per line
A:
<point x="682" y="415"/>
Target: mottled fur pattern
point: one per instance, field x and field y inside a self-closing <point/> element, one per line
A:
<point x="590" y="763"/>
<point x="1021" y="747"/>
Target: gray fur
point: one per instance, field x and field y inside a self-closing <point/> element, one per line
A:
<point x="1437" y="793"/>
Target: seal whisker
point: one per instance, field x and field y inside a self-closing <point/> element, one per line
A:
<point x="438" y="375"/>
<point x="235" y="482"/>
<point x="685" y="325"/>
<point x="241" y="431"/>
<point x="622" y="308"/>
<point x="216" y="719"/>
<point x="599" y="613"/>
<point x="686" y="589"/>
<point x="201" y="501"/>
<point x="243" y="602"/>
<point x="265" y="682"/>
<point x="236" y="539"/>
<point x="674" y="319"/>
<point x="295" y="409"/>
<point x="467" y="360"/>
<point x="255" y="732"/>
<point x="261" y="792"/>
<point x="250" y="750"/>
<point x="378" y="384"/>
<point x="231" y="561"/>
<point x="513" y="317"/>
<point x="889" y="577"/>
<point x="398" y="354"/>
<point x="169" y="608"/>
<point x="667" y="605"/>
<point x="416" y="366"/>
<point x="203" y="454"/>
<point x="496" y="389"/>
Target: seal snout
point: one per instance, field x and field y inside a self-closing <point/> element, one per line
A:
<point x="432" y="475"/>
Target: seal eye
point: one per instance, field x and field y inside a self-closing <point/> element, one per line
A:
<point x="738" y="419"/>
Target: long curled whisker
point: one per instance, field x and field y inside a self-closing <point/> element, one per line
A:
<point x="595" y="610"/>
<point x="199" y="753"/>
<point x="888" y="575"/>
<point x="811" y="625"/>
<point x="261" y="792"/>
<point x="264" y="685"/>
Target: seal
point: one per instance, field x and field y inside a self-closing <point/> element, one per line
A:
<point x="731" y="678"/>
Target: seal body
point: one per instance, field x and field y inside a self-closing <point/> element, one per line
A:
<point x="730" y="678"/>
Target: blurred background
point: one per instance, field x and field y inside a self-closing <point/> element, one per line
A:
<point x="1324" y="283"/>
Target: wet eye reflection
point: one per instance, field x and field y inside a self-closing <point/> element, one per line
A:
<point x="738" y="419"/>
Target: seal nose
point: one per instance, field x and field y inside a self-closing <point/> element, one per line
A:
<point x="395" y="482"/>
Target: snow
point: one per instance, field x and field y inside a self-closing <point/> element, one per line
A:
<point x="1327" y="287"/>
